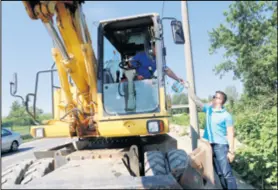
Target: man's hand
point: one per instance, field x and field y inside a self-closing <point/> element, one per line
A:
<point x="192" y="95"/>
<point x="181" y="80"/>
<point x="185" y="84"/>
<point x="231" y="156"/>
<point x="140" y="77"/>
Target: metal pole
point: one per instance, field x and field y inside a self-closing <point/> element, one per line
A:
<point x="194" y="128"/>
<point x="52" y="90"/>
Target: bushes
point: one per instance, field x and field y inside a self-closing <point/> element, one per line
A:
<point x="9" y="122"/>
<point x="181" y="120"/>
<point x="257" y="162"/>
<point x="202" y="120"/>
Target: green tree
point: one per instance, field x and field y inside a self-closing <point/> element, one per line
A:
<point x="19" y="117"/>
<point x="180" y="99"/>
<point x="249" y="38"/>
<point x="232" y="95"/>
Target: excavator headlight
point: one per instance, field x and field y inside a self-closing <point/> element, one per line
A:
<point x="155" y="126"/>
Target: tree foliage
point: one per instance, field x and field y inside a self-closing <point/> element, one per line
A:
<point x="19" y="117"/>
<point x="179" y="99"/>
<point x="257" y="162"/>
<point x="232" y="95"/>
<point x="249" y="38"/>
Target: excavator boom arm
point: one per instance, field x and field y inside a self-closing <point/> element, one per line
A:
<point x="73" y="53"/>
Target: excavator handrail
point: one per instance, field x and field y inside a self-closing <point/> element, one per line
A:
<point x="25" y="101"/>
<point x="36" y="91"/>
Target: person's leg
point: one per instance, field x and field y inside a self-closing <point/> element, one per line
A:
<point x="218" y="170"/>
<point x="222" y="161"/>
<point x="219" y="173"/>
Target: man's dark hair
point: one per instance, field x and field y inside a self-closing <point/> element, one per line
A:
<point x="224" y="96"/>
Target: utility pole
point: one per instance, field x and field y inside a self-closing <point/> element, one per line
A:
<point x="193" y="115"/>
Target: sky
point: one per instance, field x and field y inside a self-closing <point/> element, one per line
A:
<point x="26" y="45"/>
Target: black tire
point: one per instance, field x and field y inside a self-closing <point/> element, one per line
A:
<point x="177" y="159"/>
<point x="38" y="169"/>
<point x="14" y="146"/>
<point x="14" y="173"/>
<point x="155" y="163"/>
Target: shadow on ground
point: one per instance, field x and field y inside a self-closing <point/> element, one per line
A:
<point x="4" y="154"/>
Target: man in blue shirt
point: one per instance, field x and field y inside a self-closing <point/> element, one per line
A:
<point x="148" y="66"/>
<point x="219" y="132"/>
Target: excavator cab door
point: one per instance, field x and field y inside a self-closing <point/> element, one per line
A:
<point x="121" y="41"/>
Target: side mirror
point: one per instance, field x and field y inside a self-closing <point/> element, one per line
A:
<point x="13" y="84"/>
<point x="177" y="32"/>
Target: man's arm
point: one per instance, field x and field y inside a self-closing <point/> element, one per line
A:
<point x="133" y="61"/>
<point x="230" y="132"/>
<point x="171" y="74"/>
<point x="231" y="138"/>
<point x="193" y="96"/>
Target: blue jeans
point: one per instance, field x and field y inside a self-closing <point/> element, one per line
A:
<point x="222" y="166"/>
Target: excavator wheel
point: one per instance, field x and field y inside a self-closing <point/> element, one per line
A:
<point x="155" y="163"/>
<point x="177" y="159"/>
<point x="14" y="174"/>
<point x="26" y="171"/>
<point x="38" y="169"/>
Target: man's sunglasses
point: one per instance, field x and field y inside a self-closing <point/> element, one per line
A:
<point x="213" y="97"/>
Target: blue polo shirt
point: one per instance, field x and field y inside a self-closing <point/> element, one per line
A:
<point x="146" y="62"/>
<point x="216" y="125"/>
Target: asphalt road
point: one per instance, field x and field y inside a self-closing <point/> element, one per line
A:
<point x="26" y="150"/>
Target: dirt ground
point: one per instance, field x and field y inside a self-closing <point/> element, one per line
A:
<point x="184" y="142"/>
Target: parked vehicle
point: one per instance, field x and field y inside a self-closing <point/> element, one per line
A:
<point x="10" y="140"/>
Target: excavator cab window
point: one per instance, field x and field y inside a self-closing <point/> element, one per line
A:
<point x="123" y="93"/>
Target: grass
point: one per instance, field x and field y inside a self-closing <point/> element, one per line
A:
<point x="24" y="131"/>
<point x="180" y="120"/>
<point x="28" y="139"/>
<point x="184" y="120"/>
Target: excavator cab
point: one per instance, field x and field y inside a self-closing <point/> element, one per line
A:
<point x="140" y="102"/>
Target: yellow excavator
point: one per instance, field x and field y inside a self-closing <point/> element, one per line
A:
<point x="118" y="125"/>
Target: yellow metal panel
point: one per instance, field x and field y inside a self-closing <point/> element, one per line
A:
<point x="128" y="127"/>
<point x="106" y="129"/>
<point x="57" y="100"/>
<point x="90" y="63"/>
<point x="62" y="76"/>
<point x="162" y="100"/>
<point x="99" y="106"/>
<point x="53" y="129"/>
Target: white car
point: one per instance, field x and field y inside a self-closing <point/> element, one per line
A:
<point x="10" y="140"/>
